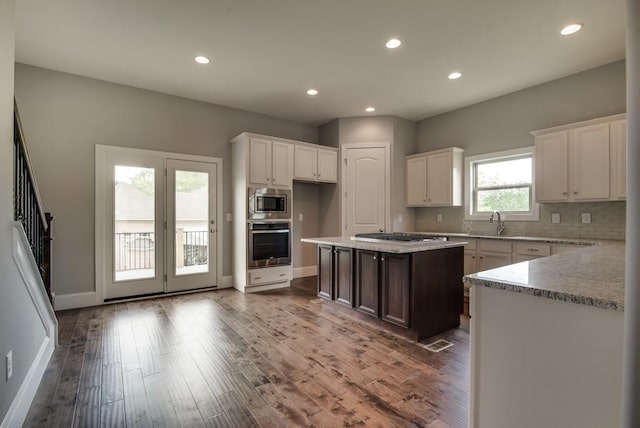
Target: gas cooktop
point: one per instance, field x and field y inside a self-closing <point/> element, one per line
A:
<point x="397" y="236"/>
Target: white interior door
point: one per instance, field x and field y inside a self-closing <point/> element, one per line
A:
<point x="134" y="208"/>
<point x="366" y="189"/>
<point x="192" y="225"/>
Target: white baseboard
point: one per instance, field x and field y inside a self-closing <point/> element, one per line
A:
<point x="266" y="287"/>
<point x="89" y="298"/>
<point x="301" y="272"/>
<point x="75" y="300"/>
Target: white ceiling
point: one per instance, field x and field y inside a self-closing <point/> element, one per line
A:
<point x="265" y="54"/>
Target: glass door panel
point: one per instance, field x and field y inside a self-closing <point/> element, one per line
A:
<point x="192" y="222"/>
<point x="135" y="223"/>
<point x="191" y="218"/>
<point x="130" y="229"/>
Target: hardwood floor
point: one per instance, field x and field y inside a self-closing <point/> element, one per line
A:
<point x="223" y="359"/>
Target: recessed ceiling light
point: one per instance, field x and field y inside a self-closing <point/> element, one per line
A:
<point x="393" y="43"/>
<point x="455" y="75"/>
<point x="570" y="29"/>
<point x="202" y="59"/>
<point x="370" y="109"/>
<point x="312" y="92"/>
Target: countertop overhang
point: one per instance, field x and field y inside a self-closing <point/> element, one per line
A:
<point x="384" y="246"/>
<point x="592" y="276"/>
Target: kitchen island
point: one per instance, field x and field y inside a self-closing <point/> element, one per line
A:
<point x="546" y="340"/>
<point x="413" y="285"/>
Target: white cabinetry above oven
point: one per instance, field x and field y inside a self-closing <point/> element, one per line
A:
<point x="315" y="163"/>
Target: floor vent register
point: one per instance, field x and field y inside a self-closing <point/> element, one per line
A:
<point x="438" y="345"/>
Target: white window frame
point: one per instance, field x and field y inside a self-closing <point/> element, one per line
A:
<point x="469" y="174"/>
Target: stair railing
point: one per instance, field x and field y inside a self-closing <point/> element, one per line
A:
<point x="28" y="208"/>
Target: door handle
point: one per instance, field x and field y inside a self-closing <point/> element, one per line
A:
<point x="213" y="231"/>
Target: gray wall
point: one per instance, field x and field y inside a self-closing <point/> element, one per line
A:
<point x="506" y="122"/>
<point x="306" y="197"/>
<point x="65" y="116"/>
<point x="20" y="328"/>
<point x="329" y="196"/>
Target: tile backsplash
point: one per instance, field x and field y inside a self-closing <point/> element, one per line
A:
<point x="607" y="221"/>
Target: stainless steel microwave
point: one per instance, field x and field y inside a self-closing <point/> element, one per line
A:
<point x="269" y="204"/>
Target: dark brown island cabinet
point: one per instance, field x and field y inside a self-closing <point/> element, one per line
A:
<point x="420" y="291"/>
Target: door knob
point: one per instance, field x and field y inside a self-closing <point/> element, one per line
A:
<point x="213" y="231"/>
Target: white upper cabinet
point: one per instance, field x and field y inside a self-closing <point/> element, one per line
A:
<point x="281" y="164"/>
<point x="581" y="162"/>
<point x="328" y="165"/>
<point x="270" y="163"/>
<point x="434" y="178"/>
<point x="618" y="140"/>
<point x="589" y="162"/>
<point x="416" y="184"/>
<point x="552" y="159"/>
<point x="313" y="163"/>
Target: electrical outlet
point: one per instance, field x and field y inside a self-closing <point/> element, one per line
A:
<point x="555" y="218"/>
<point x="586" y="217"/>
<point x="438" y="217"/>
<point x="9" y="364"/>
<point x="300" y="217"/>
<point x="229" y="217"/>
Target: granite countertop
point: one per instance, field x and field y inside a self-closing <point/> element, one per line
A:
<point x="592" y="276"/>
<point x="542" y="239"/>
<point x="385" y="246"/>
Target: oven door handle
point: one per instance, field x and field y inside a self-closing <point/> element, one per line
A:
<point x="259" y="232"/>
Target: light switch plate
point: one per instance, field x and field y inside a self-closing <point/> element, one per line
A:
<point x="438" y="217"/>
<point x="300" y="217"/>
<point x="555" y="218"/>
<point x="586" y="217"/>
<point x="229" y="217"/>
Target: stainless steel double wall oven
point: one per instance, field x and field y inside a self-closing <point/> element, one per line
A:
<point x="269" y="237"/>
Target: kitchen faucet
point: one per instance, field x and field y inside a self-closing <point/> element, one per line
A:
<point x="499" y="221"/>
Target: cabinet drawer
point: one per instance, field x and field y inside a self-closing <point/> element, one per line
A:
<point x="533" y="249"/>
<point x="495" y="246"/>
<point x="563" y="248"/>
<point x="472" y="243"/>
<point x="269" y="275"/>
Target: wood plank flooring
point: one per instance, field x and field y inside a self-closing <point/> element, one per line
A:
<point x="226" y="359"/>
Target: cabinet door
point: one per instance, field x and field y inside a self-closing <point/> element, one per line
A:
<point x="260" y="161"/>
<point x="416" y="185"/>
<point x="367" y="300"/>
<point x="552" y="151"/>
<point x="282" y="165"/>
<point x="305" y="163"/>
<point x="523" y="258"/>
<point x="470" y="262"/>
<point x="440" y="179"/>
<point x="590" y="162"/>
<point x="619" y="159"/>
<point x="327" y="166"/>
<point x="395" y="288"/>
<point x="488" y="260"/>
<point x="343" y="275"/>
<point x="325" y="271"/>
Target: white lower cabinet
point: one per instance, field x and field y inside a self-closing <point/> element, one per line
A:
<point x="493" y="254"/>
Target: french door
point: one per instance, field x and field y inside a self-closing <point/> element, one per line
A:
<point x="156" y="222"/>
